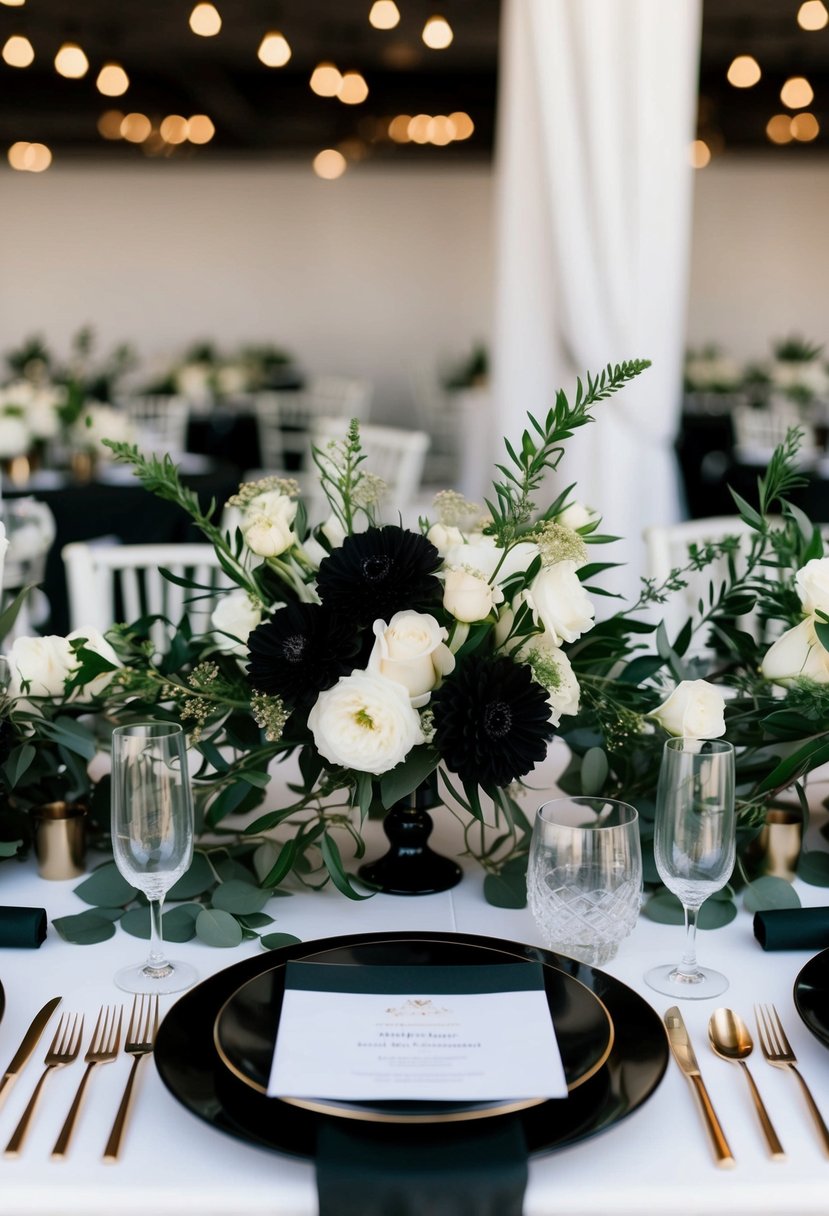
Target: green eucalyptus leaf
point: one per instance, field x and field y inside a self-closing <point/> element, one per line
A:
<point x="255" y="920"/>
<point x="405" y="777"/>
<point x="195" y="881"/>
<point x="240" y="898"/>
<point x="106" y="886"/>
<point x="136" y="922"/>
<point x="215" y="927"/>
<point x="264" y="859"/>
<point x="813" y="868"/>
<point x="506" y="890"/>
<point x="665" y="909"/>
<point x="766" y="893"/>
<point x="8" y="848"/>
<point x="228" y="868"/>
<point x="594" y="770"/>
<point x="179" y="924"/>
<point x="85" y="928"/>
<point x="275" y="941"/>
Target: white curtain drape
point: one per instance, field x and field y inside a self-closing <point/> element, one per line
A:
<point x="593" y="211"/>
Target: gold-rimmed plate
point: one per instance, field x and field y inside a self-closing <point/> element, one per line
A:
<point x="246" y="1026"/>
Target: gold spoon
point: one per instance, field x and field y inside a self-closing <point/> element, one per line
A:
<point x="730" y="1039"/>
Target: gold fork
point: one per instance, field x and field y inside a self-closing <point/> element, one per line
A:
<point x="103" y="1049"/>
<point x="778" y="1051"/>
<point x="141" y="1034"/>
<point x="63" y="1050"/>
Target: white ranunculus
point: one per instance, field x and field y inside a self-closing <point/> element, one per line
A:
<point x="42" y="664"/>
<point x="365" y="723"/>
<point x="695" y="710"/>
<point x="482" y="554"/>
<point x="237" y="615"/>
<point x="274" y="505"/>
<point x="267" y="536"/>
<point x="444" y="537"/>
<point x="553" y="670"/>
<point x="96" y="642"/>
<point x="797" y="653"/>
<point x="469" y="597"/>
<point x="576" y="515"/>
<point x="812" y="582"/>
<point x="560" y="603"/>
<point x="412" y="650"/>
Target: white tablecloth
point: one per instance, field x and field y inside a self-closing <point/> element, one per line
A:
<point x="657" y="1160"/>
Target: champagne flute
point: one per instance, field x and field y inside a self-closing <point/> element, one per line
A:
<point x="152" y="836"/>
<point x="694" y="848"/>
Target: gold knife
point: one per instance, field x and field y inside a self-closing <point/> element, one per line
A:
<point x="683" y="1053"/>
<point x="30" y="1040"/>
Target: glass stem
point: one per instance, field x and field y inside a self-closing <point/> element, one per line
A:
<point x="688" y="966"/>
<point x="157" y="960"/>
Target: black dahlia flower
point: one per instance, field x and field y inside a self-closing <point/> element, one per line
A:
<point x="301" y="650"/>
<point x="376" y="573"/>
<point x="492" y="721"/>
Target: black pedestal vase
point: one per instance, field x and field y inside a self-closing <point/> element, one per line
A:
<point x="410" y="867"/>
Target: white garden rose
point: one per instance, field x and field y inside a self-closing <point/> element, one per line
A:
<point x="553" y="670"/>
<point x="560" y="603"/>
<point x="812" y="582"/>
<point x="365" y="722"/>
<point x="576" y="515"/>
<point x="95" y="641"/>
<point x="237" y="615"/>
<point x="412" y="650"/>
<point x="42" y="665"/>
<point x="468" y="596"/>
<point x="482" y="554"/>
<point x="695" y="710"/>
<point x="797" y="653"/>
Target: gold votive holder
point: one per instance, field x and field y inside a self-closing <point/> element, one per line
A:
<point x="779" y="843"/>
<point x="59" y="831"/>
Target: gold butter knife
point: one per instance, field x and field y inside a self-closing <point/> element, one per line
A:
<point x="30" y="1041"/>
<point x="683" y="1053"/>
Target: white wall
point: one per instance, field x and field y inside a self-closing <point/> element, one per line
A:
<point x="360" y="276"/>
<point x="367" y="274"/>
<point x="760" y="268"/>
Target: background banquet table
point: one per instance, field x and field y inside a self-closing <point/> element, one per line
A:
<point x="657" y="1159"/>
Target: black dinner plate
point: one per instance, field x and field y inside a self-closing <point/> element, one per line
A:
<point x="811" y="996"/>
<point x="246" y="1027"/>
<point x="187" y="1062"/>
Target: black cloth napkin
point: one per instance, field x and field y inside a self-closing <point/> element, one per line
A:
<point x="792" y="929"/>
<point x="24" y="927"/>
<point x="395" y="1170"/>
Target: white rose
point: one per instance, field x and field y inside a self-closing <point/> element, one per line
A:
<point x="411" y="650"/>
<point x="469" y="597"/>
<point x="553" y="670"/>
<point x="444" y="537"/>
<point x="576" y="515"/>
<point x="268" y="537"/>
<point x="365" y="722"/>
<point x="42" y="664"/>
<point x="96" y="642"/>
<point x="560" y="603"/>
<point x="482" y="554"/>
<point x="812" y="582"/>
<point x="695" y="710"/>
<point x="797" y="653"/>
<point x="238" y="616"/>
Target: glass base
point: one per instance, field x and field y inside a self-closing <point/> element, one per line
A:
<point x="140" y="978"/>
<point x="683" y="985"/>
